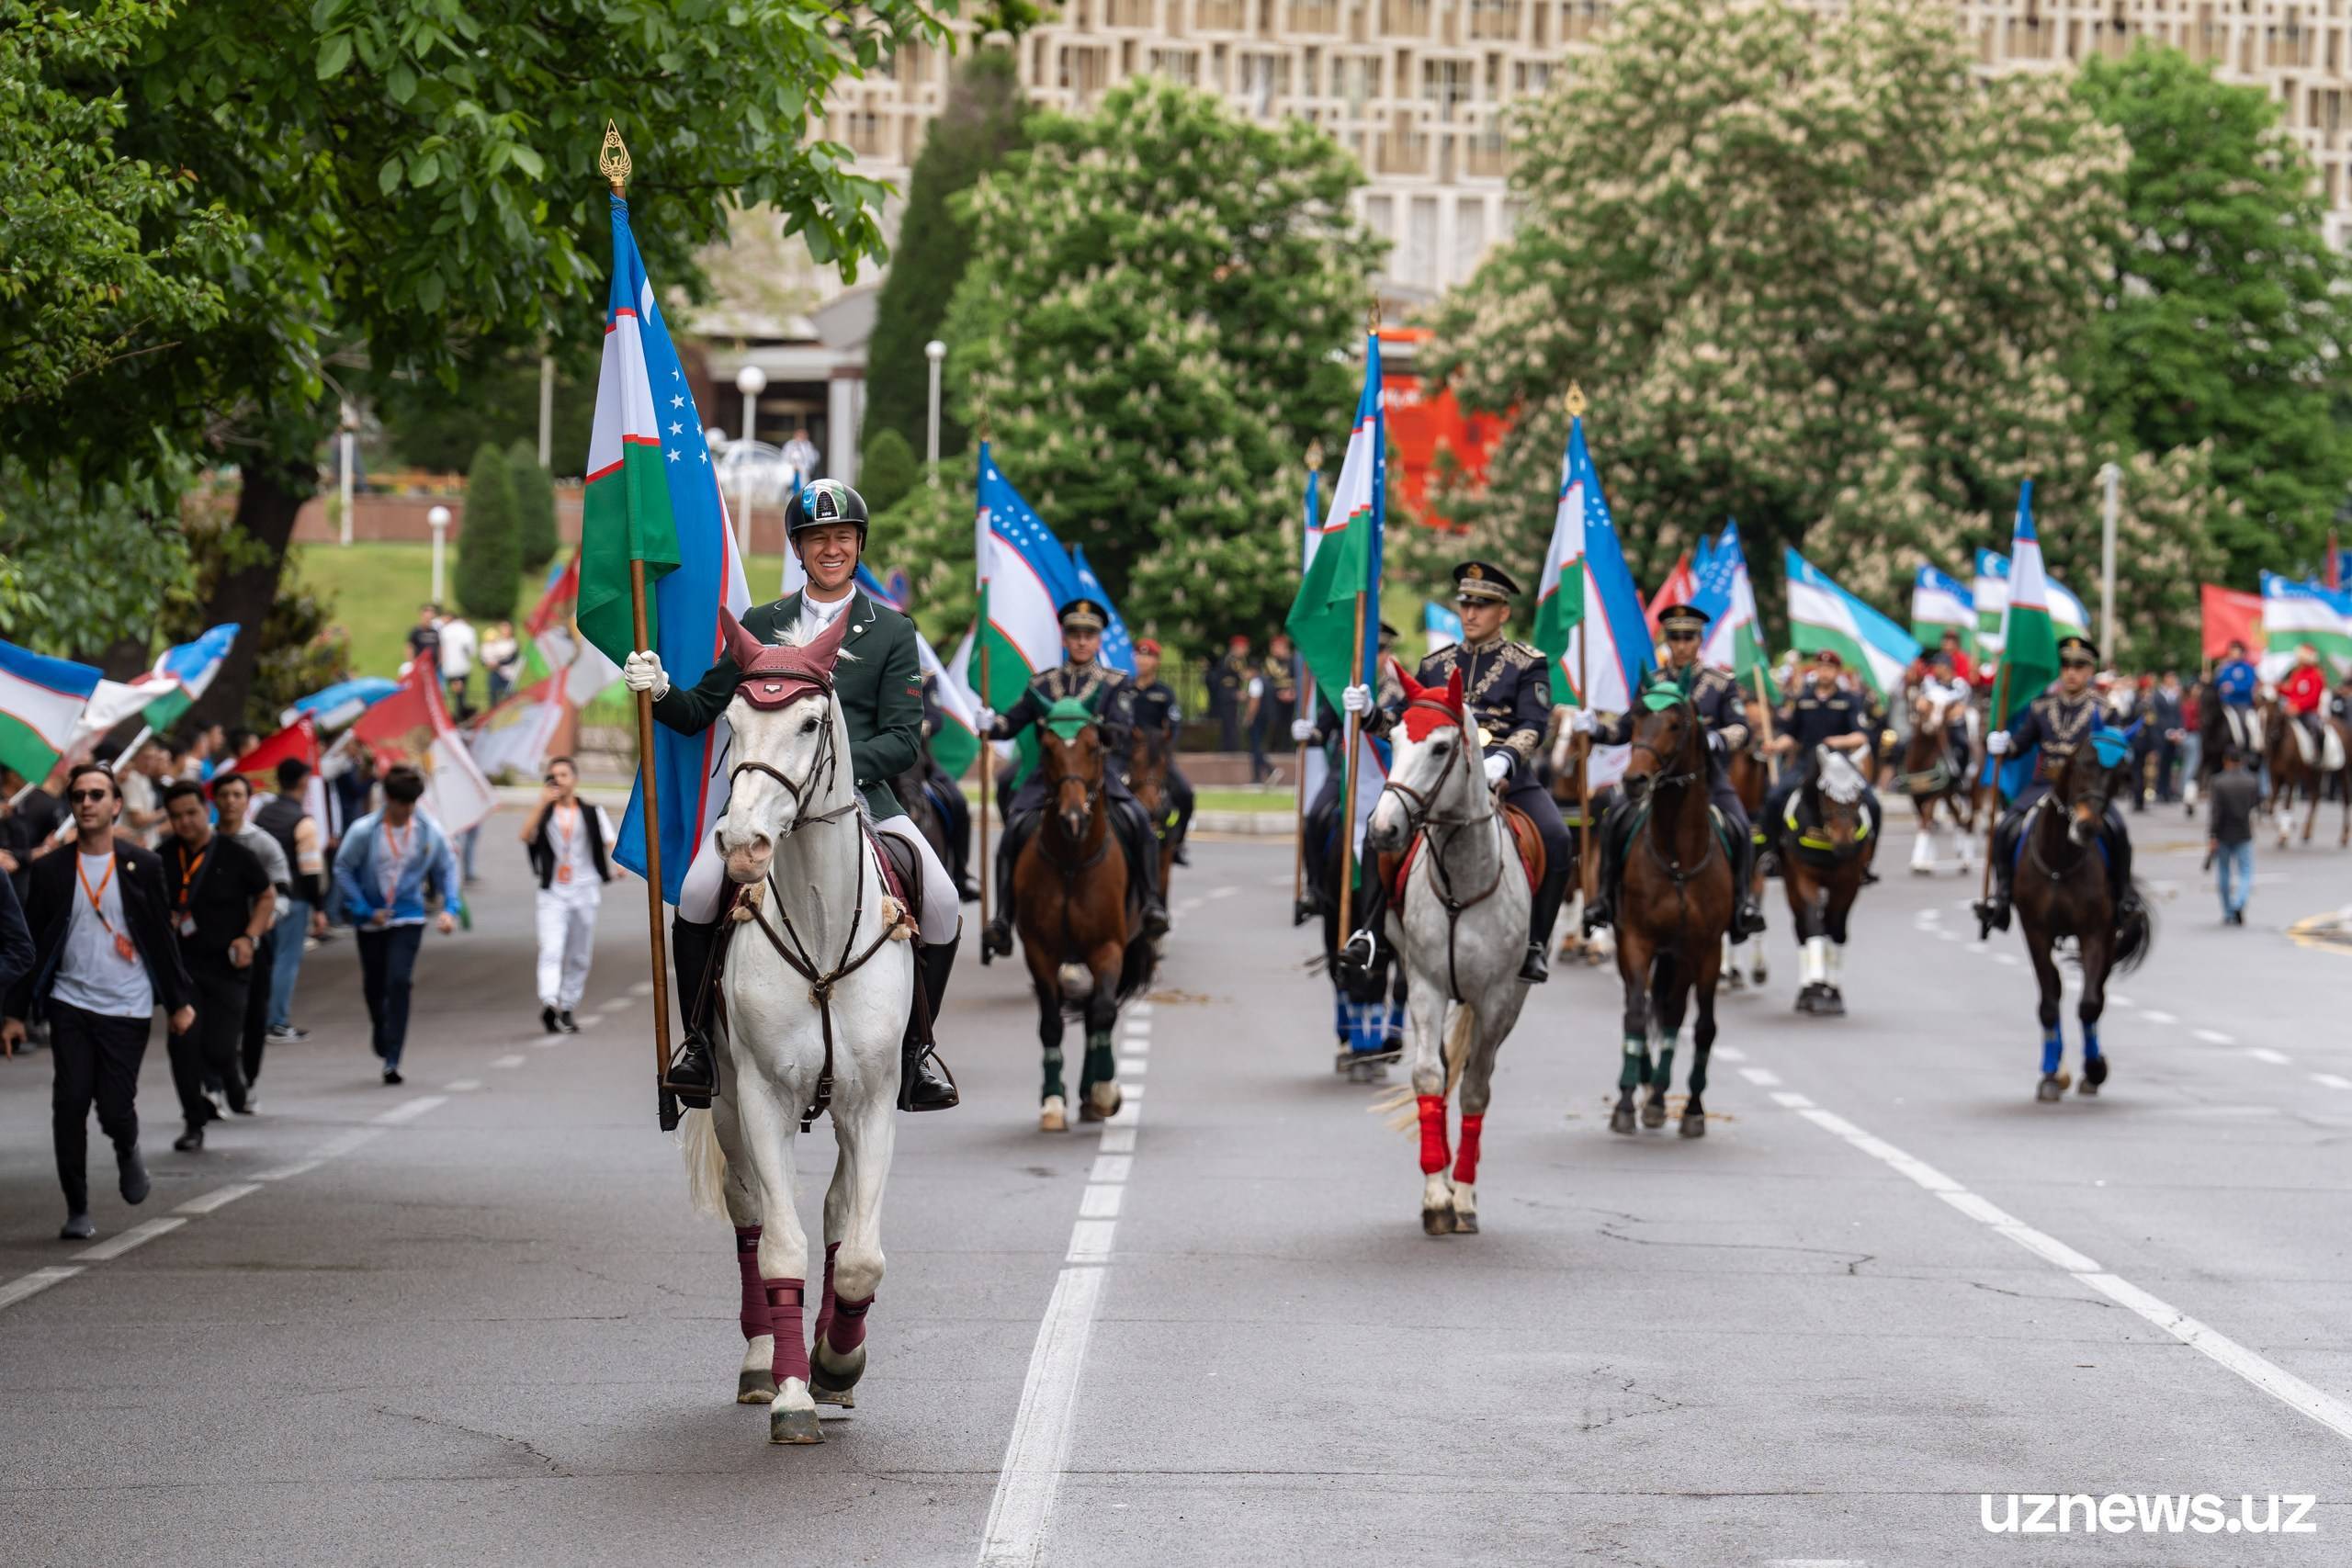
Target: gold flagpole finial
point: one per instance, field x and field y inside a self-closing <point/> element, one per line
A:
<point x="613" y="161"/>
<point x="1371" y="317"/>
<point x="1315" y="455"/>
<point x="1573" y="401"/>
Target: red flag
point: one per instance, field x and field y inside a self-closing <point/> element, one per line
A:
<point x="1679" y="585"/>
<point x="298" y="740"/>
<point x="555" y="606"/>
<point x="413" y="725"/>
<point x="2333" y="576"/>
<point x="2230" y="616"/>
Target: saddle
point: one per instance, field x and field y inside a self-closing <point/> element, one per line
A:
<point x="2329" y="757"/>
<point x="901" y="869"/>
<point x="1394" y="866"/>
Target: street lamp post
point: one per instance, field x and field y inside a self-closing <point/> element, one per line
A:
<point x="751" y="381"/>
<point x="934" y="351"/>
<point x="2110" y="477"/>
<point x="439" y="518"/>
<point x="349" y="427"/>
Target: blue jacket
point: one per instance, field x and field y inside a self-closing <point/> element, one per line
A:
<point x="360" y="884"/>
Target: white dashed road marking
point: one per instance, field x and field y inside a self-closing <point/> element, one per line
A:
<point x="219" y="1197"/>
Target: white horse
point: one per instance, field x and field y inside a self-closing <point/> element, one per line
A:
<point x="816" y="993"/>
<point x="1460" y="928"/>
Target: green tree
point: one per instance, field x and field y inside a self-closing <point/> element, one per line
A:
<point x="298" y="654"/>
<point x="1814" y="273"/>
<point x="490" y="568"/>
<point x="86" y="571"/>
<point x="886" y="470"/>
<point x="415" y="179"/>
<point x="535" y="536"/>
<point x="2226" y="316"/>
<point x="1159" y="314"/>
<point x="982" y="124"/>
<point x="428" y="426"/>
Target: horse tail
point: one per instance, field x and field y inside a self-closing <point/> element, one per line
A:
<point x="2135" y="934"/>
<point x="705" y="1164"/>
<point x="1461" y="1032"/>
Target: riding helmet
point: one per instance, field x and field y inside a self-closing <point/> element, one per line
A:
<point x="822" y="501"/>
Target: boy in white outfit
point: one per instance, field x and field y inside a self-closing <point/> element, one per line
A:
<point x="570" y="843"/>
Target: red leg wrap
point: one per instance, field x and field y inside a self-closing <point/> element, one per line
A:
<point x="848" y="1327"/>
<point x="783" y="1321"/>
<point x="825" y="1302"/>
<point x="754" y="1316"/>
<point x="1465" y="1162"/>
<point x="1432" y="1132"/>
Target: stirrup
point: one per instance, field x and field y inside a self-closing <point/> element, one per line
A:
<point x="1360" y="951"/>
<point x="924" y="1082"/>
<point x="690" y="1077"/>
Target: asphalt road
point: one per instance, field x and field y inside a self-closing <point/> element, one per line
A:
<point x="472" y="1320"/>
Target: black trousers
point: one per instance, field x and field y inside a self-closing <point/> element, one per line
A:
<point x="258" y="1003"/>
<point x="96" y="1058"/>
<point x="387" y="961"/>
<point x="211" y="1052"/>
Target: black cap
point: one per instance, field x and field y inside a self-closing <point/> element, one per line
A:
<point x="2075" y="643"/>
<point x="1084" y="614"/>
<point x="1682" y="617"/>
<point x="1483" y="580"/>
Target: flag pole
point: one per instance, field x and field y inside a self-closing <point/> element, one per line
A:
<point x="1585" y="870"/>
<point x="1999" y="716"/>
<point x="1305" y="689"/>
<point x="988" y="746"/>
<point x="1350" y="728"/>
<point x="614" y="164"/>
<point x="1764" y="702"/>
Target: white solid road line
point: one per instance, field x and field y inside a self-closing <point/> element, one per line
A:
<point x="411" y="1110"/>
<point x="2214" y="1037"/>
<point x="137" y="1235"/>
<point x="2334" y="1414"/>
<point x="32" y="1284"/>
<point x="2332" y="1080"/>
<point x="2265" y="1053"/>
<point x="219" y="1197"/>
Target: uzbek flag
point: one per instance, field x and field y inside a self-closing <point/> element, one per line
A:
<point x="653" y="498"/>
<point x="958" y="741"/>
<point x="41" y="699"/>
<point x="2297" y="612"/>
<point x="1941" y="603"/>
<point x="1822" y="614"/>
<point x="1992" y="598"/>
<point x="1316" y="766"/>
<point x="1586" y="601"/>
<point x="1735" y="636"/>
<point x="2028" y="635"/>
<point x="1343" y="560"/>
<point x="159" y="696"/>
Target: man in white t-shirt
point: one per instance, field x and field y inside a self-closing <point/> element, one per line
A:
<point x="570" y="843"/>
<point x="458" y="645"/>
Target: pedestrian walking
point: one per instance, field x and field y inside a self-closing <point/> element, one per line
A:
<point x="566" y="840"/>
<point x="142" y="792"/>
<point x="286" y="817"/>
<point x="1229" y="691"/>
<point x="232" y="795"/>
<point x="459" y="646"/>
<point x="502" y="661"/>
<point x="104" y="959"/>
<point x="799" y="456"/>
<point x="390" y="862"/>
<point x="2169" y="719"/>
<point x="2236" y="795"/>
<point x="221" y="901"/>
<point x="424" y="637"/>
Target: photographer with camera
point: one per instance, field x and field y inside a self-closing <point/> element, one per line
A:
<point x="569" y="844"/>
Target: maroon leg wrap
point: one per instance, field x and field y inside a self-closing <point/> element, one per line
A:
<point x="754" y="1316"/>
<point x="1465" y="1162"/>
<point x="1432" y="1132"/>
<point x="825" y="1304"/>
<point x="783" y="1321"/>
<point x="848" y="1327"/>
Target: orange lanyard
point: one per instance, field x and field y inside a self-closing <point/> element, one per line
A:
<point x="187" y="876"/>
<point x="97" y="902"/>
<point x="396" y="845"/>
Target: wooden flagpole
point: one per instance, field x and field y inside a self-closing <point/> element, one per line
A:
<point x="988" y="746"/>
<point x="1351" y="727"/>
<point x="1999" y="718"/>
<point x="1764" y="702"/>
<point x="614" y="164"/>
<point x="1304" y="684"/>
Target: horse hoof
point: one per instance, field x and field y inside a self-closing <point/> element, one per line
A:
<point x="1653" y="1113"/>
<point x="2051" y="1089"/>
<point x="1694" y="1125"/>
<point x="834" y="1382"/>
<point x="1101" y="1102"/>
<point x="1437" y="1221"/>
<point x="2094" y="1074"/>
<point x="1622" y="1119"/>
<point x="755" y="1388"/>
<point x="789" y="1425"/>
<point x="1466" y="1222"/>
<point x="1832" y="1003"/>
<point x="1053" y="1116"/>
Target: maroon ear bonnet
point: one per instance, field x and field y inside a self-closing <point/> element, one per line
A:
<point x="772" y="676"/>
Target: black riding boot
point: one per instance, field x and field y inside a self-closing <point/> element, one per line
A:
<point x="1992" y="910"/>
<point x="1143" y="863"/>
<point x="2118" y="868"/>
<point x="695" y="947"/>
<point x="1747" y="915"/>
<point x="998" y="939"/>
<point x="924" y="1083"/>
<point x="1535" y="969"/>
<point x="1601" y="910"/>
<point x="1361" y="950"/>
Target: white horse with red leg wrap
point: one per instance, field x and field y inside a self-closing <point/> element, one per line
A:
<point x="1459" y="928"/>
<point x="819" y="952"/>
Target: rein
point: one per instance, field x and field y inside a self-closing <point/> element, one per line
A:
<point x="1648" y="830"/>
<point x="1420" y="817"/>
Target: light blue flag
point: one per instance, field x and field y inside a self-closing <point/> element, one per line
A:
<point x="1118" y="648"/>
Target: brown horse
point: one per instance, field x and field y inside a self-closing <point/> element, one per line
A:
<point x="1674" y="905"/>
<point x="2062" y="890"/>
<point x="1932" y="778"/>
<point x="2283" y="739"/>
<point x="1825" y="855"/>
<point x="1080" y="927"/>
<point x="1148" y="763"/>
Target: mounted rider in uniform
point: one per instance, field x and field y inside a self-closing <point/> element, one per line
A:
<point x="2055" y="727"/>
<point x="1823" y="714"/>
<point x="1724" y="712"/>
<point x="877" y="683"/>
<point x="1327" y="732"/>
<point x="1507" y="694"/>
<point x="1157" y="711"/>
<point x="1079" y="677"/>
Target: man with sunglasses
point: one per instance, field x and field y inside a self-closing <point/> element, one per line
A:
<point x="1507" y="695"/>
<point x="1723" y="711"/>
<point x="2052" y="728"/>
<point x="104" y="958"/>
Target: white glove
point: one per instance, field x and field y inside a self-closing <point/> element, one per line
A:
<point x="1498" y="769"/>
<point x="1581" y="722"/>
<point x="1997" y="743"/>
<point x="643" y="673"/>
<point x="1356" y="700"/>
<point x="1302" y="730"/>
<point x="1715" y="741"/>
<point x="987" y="720"/>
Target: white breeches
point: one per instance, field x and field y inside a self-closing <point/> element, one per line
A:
<point x="705" y="889"/>
<point x="567" y="943"/>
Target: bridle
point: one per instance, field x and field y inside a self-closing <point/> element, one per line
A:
<point x="1093" y="807"/>
<point x="827" y="763"/>
<point x="1420" y="818"/>
<point x="2061" y="806"/>
<point x="1680" y="876"/>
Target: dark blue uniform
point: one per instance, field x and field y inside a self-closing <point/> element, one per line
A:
<point x="1810" y="719"/>
<point x="2053" y="728"/>
<point x="1507" y="691"/>
<point x="1114" y="696"/>
<point x="1156" y="710"/>
<point x="1722" y="709"/>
